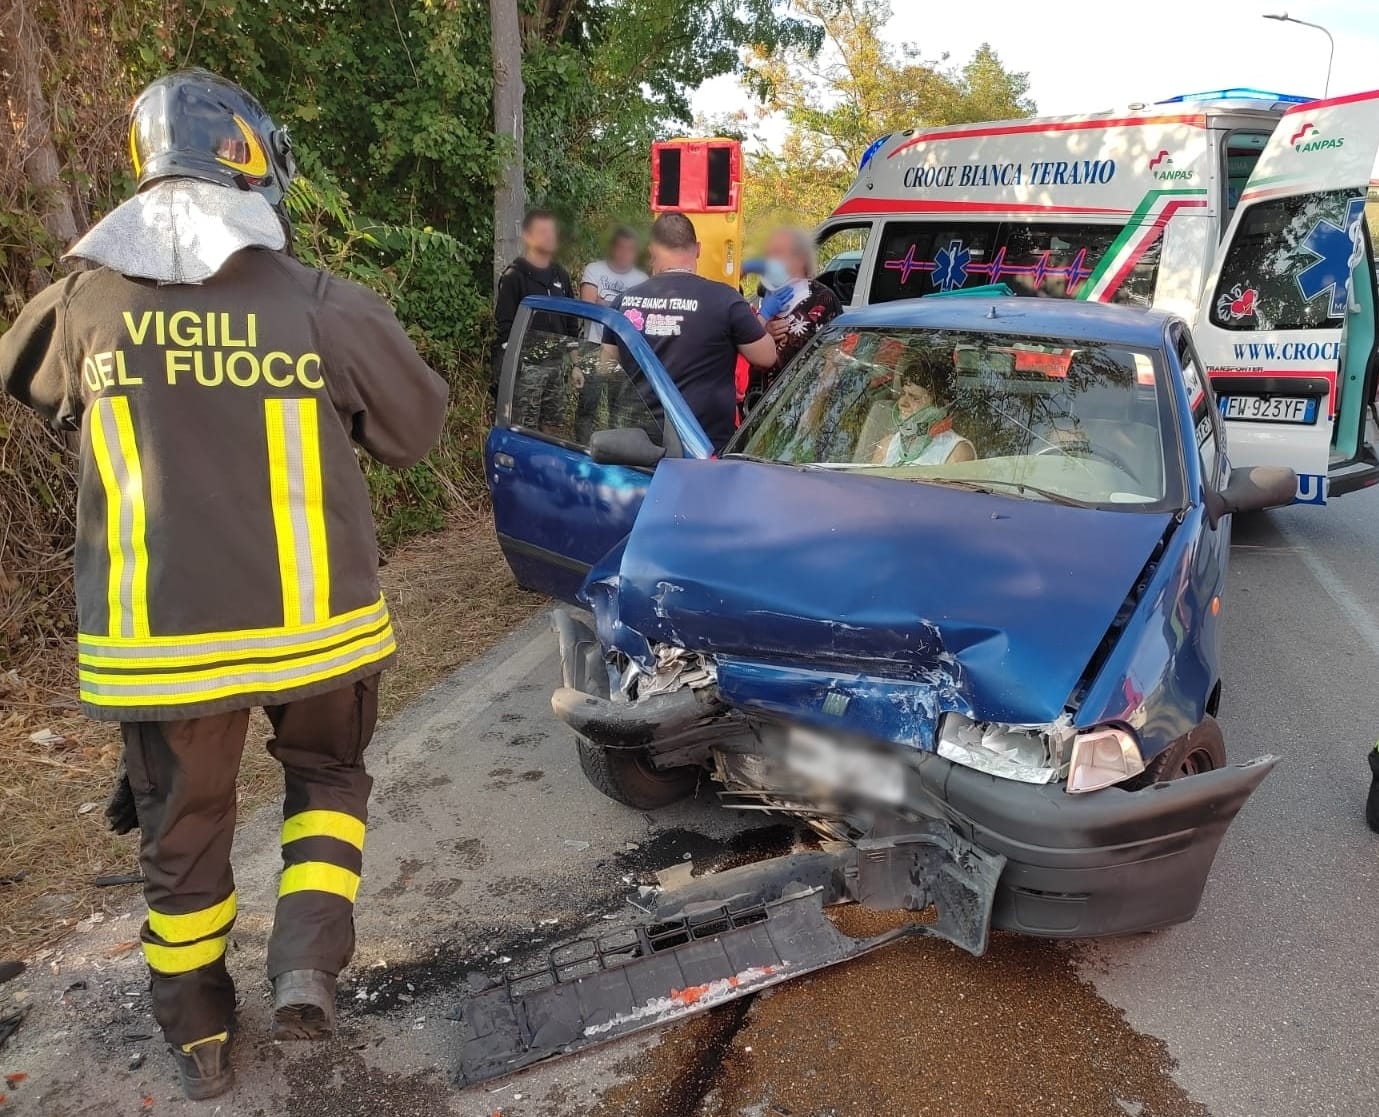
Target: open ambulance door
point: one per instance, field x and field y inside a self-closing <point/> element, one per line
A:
<point x="1286" y="324"/>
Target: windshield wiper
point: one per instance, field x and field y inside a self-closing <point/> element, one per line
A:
<point x="1021" y="487"/>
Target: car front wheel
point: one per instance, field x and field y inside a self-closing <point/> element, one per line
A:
<point x="1202" y="750"/>
<point x="626" y="776"/>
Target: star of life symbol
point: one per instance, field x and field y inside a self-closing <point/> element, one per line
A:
<point x="952" y="262"/>
<point x="797" y="325"/>
<point x="1337" y="250"/>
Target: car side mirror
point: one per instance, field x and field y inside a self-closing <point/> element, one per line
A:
<point x="1252" y="490"/>
<point x="625" y="446"/>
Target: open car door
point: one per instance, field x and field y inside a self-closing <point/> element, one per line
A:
<point x="557" y="511"/>
<point x="1286" y="323"/>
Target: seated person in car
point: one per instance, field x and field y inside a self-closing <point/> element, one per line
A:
<point x="922" y="426"/>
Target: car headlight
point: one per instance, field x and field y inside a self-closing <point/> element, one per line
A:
<point x="1028" y="753"/>
<point x="1102" y="757"/>
<point x="1091" y="759"/>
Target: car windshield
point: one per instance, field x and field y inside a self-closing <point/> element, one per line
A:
<point x="1075" y="422"/>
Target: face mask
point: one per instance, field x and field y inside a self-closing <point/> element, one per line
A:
<point x="774" y="275"/>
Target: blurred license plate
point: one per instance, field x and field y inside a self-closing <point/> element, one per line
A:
<point x="858" y="769"/>
<point x="1269" y="409"/>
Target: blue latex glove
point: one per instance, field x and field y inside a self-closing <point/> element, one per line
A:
<point x="753" y="267"/>
<point x="776" y="303"/>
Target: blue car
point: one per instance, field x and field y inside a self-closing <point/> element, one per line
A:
<point x="950" y="597"/>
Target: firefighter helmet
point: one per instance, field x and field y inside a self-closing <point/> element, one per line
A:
<point x="194" y="124"/>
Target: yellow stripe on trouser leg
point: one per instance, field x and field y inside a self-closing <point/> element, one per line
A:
<point x="184" y="959"/>
<point x="319" y="876"/>
<point x="324" y="824"/>
<point x="193" y="925"/>
<point x="220" y="1037"/>
<point x="117" y="461"/>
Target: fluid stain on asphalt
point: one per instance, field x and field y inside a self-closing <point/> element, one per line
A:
<point x="918" y="1028"/>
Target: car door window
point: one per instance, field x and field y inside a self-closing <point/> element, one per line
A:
<point x="567" y="388"/>
<point x="1204" y="418"/>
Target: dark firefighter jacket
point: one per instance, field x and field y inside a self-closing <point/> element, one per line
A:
<point x="225" y="550"/>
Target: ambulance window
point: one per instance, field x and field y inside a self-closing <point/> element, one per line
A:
<point x="1047" y="260"/>
<point x="841" y="251"/>
<point x="1288" y="266"/>
<point x="919" y="258"/>
<point x="1243" y="150"/>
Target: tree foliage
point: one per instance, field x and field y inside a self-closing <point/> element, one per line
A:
<point x="858" y="87"/>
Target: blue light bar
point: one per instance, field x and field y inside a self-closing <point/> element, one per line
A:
<point x="1237" y="93"/>
<point x="876" y="145"/>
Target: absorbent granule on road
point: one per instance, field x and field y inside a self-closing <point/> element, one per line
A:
<point x="918" y="1028"/>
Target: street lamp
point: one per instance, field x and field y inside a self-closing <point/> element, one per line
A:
<point x="1284" y="17"/>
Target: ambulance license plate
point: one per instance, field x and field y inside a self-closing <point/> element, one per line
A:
<point x="1269" y="409"/>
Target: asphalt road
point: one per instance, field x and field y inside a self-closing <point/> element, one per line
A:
<point x="486" y="845"/>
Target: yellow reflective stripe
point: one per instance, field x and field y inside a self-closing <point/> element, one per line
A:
<point x="194" y="924"/>
<point x="117" y="461"/>
<point x="184" y="959"/>
<point x="177" y="696"/>
<point x="313" y="495"/>
<point x="280" y="490"/>
<point x="324" y="824"/>
<point x="232" y="641"/>
<point x="137" y="658"/>
<point x="219" y="1037"/>
<point x="299" y="516"/>
<point x="147" y="673"/>
<point x="319" y="876"/>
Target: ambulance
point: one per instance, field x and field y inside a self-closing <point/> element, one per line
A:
<point x="1242" y="211"/>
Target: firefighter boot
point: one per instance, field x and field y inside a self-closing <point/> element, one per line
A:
<point x="204" y="1067"/>
<point x="1372" y="804"/>
<point x="303" y="1005"/>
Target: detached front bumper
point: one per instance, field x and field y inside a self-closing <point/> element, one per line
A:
<point x="1107" y="863"/>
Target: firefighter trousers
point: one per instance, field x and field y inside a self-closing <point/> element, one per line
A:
<point x="183" y="774"/>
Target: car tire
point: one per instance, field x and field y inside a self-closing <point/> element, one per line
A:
<point x="1202" y="750"/>
<point x="626" y="776"/>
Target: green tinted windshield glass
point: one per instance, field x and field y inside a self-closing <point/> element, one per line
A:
<point x="1049" y="420"/>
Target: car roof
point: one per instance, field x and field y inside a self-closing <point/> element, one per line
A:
<point x="1083" y="321"/>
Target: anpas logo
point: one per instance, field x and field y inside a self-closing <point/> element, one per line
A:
<point x="1162" y="168"/>
<point x="1307" y="138"/>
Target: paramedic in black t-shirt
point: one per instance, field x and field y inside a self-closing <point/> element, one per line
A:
<point x="696" y="327"/>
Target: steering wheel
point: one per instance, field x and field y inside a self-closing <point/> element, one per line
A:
<point x="1074" y="449"/>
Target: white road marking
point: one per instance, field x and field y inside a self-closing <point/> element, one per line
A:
<point x="1335" y="586"/>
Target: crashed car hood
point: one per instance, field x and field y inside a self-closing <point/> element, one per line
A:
<point x="795" y="575"/>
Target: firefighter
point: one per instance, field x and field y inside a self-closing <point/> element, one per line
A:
<point x="225" y="554"/>
<point x="1372" y="802"/>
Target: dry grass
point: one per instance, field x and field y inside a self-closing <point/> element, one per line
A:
<point x="452" y="598"/>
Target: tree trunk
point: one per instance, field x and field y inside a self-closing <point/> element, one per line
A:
<point x="510" y="197"/>
<point x="30" y="124"/>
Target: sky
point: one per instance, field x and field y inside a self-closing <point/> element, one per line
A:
<point x="1090" y="55"/>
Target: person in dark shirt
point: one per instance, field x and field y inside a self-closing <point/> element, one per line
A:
<point x="535" y="272"/>
<point x="795" y="306"/>
<point x="695" y="326"/>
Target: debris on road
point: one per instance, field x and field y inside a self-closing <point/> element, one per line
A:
<point x="112" y="880"/>
<point x="10" y="1019"/>
<point x="9" y="970"/>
